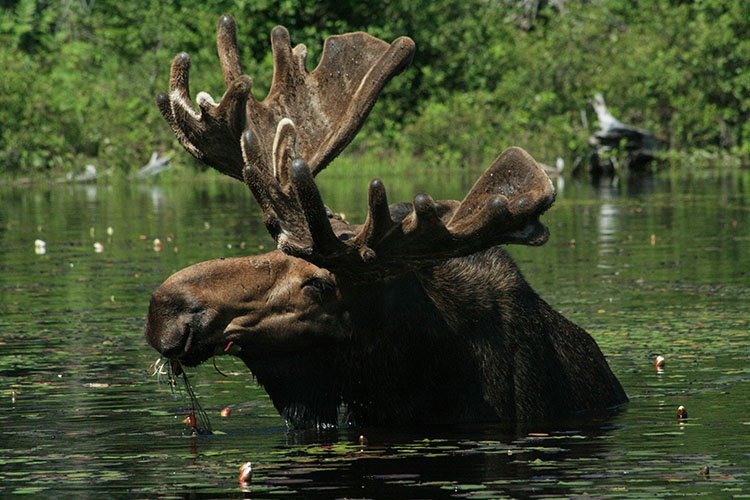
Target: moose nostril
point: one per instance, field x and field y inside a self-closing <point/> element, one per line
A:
<point x="171" y="352"/>
<point x="174" y="346"/>
<point x="169" y="343"/>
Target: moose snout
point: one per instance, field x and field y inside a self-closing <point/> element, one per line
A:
<point x="168" y="329"/>
<point x="175" y="316"/>
<point x="169" y="341"/>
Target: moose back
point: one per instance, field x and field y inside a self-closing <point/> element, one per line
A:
<point x="417" y="315"/>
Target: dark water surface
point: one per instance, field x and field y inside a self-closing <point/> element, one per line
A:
<point x="654" y="268"/>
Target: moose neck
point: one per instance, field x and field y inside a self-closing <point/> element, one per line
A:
<point x="412" y="363"/>
<point x="305" y="388"/>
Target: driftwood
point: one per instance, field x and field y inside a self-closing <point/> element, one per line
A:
<point x="616" y="148"/>
<point x="156" y="165"/>
<point x="90" y="174"/>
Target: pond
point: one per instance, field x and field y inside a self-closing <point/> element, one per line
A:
<point x="652" y="267"/>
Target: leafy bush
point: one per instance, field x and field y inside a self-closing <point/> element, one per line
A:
<point x="79" y="78"/>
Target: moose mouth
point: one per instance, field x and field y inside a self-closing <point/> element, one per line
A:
<point x="301" y="383"/>
<point x="197" y="355"/>
<point x="195" y="358"/>
<point x="185" y="352"/>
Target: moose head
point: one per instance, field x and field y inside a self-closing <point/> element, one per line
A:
<point x="415" y="316"/>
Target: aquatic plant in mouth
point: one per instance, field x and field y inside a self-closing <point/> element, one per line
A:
<point x="173" y="370"/>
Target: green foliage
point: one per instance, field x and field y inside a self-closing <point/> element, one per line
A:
<point x="79" y="78"/>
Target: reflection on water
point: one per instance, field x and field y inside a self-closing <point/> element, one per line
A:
<point x="155" y="193"/>
<point x="648" y="268"/>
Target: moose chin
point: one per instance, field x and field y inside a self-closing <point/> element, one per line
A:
<point x="416" y="316"/>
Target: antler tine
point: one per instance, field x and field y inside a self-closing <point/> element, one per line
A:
<point x="426" y="219"/>
<point x="284" y="69"/>
<point x="212" y="133"/>
<point x="293" y="210"/>
<point x="282" y="215"/>
<point x="284" y="149"/>
<point x="229" y="54"/>
<point x="395" y="58"/>
<point x="256" y="177"/>
<point x="324" y="240"/>
<point x="378" y="223"/>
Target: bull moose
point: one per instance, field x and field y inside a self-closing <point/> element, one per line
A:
<point x="417" y="315"/>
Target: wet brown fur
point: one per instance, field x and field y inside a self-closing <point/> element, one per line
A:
<point x="467" y="340"/>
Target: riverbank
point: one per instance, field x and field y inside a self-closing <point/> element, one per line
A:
<point x="182" y="167"/>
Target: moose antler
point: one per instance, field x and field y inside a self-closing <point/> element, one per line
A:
<point x="330" y="104"/>
<point x="503" y="206"/>
<point x="304" y="122"/>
